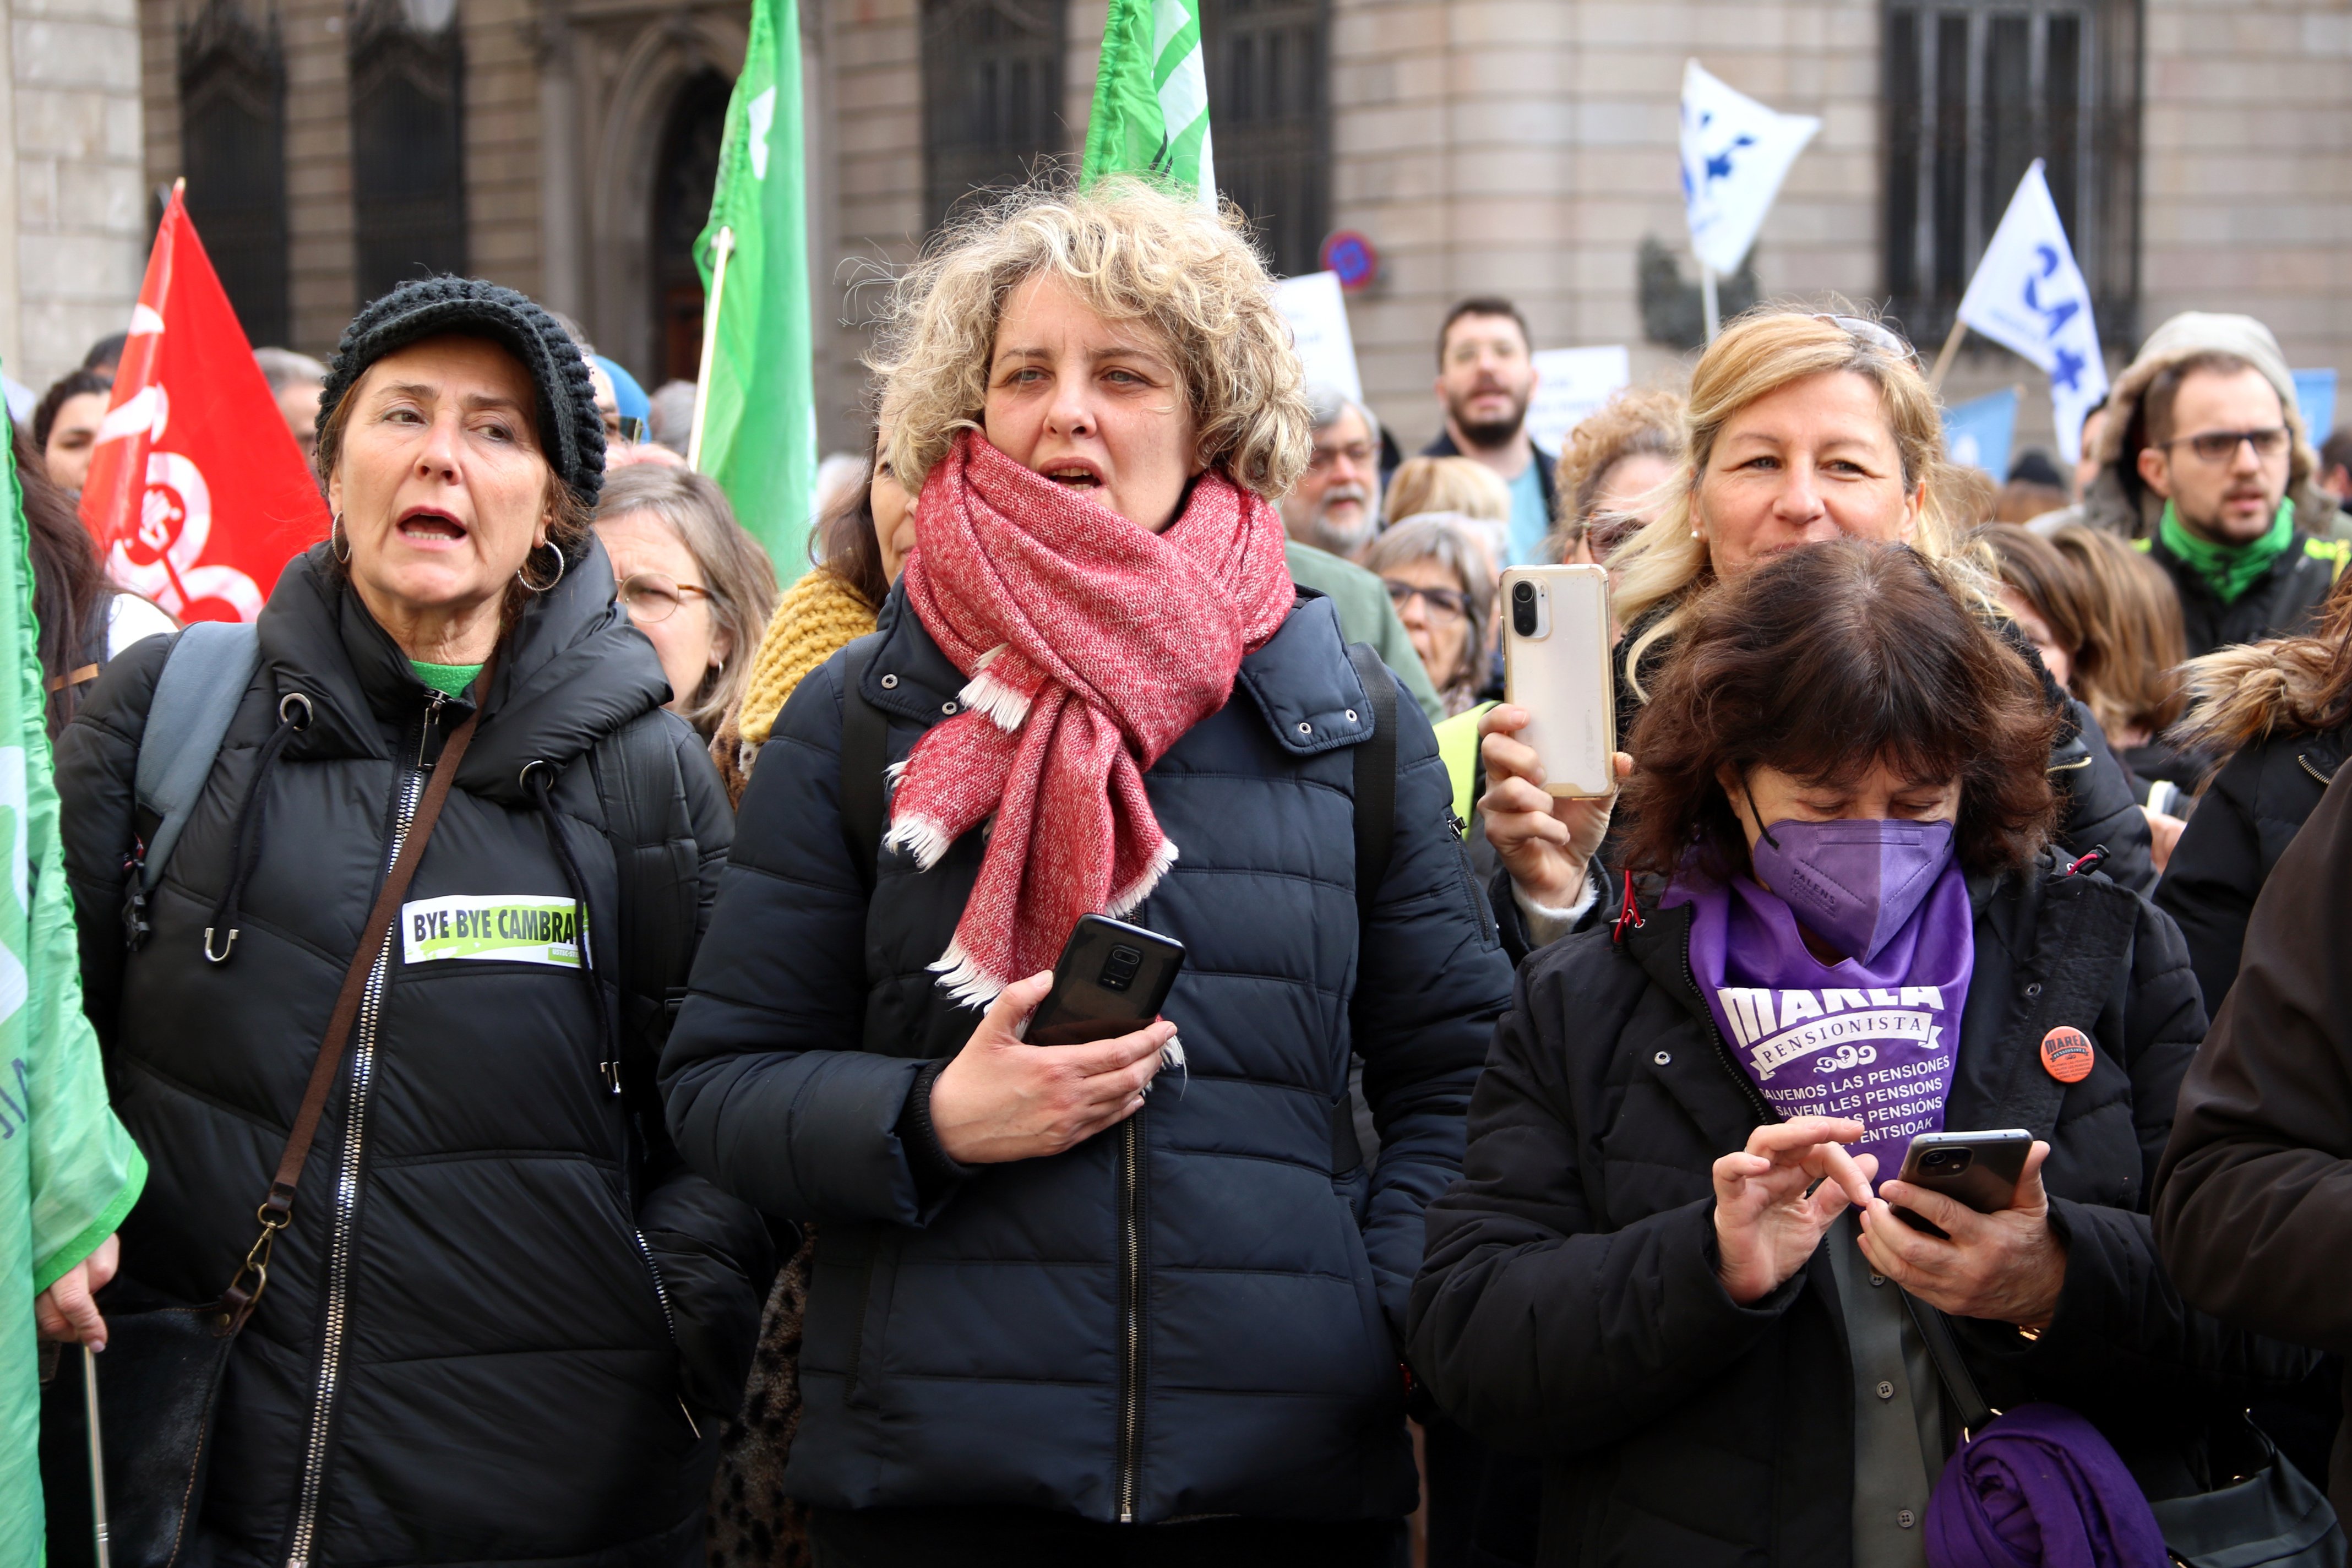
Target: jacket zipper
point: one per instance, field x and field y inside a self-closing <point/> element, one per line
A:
<point x="1765" y="1114"/>
<point x="312" y="1489"/>
<point x="670" y="1320"/>
<point x="1130" y="1370"/>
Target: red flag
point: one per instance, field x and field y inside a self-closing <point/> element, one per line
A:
<point x="196" y="491"/>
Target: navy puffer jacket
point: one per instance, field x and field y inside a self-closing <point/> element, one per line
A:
<point x="1199" y="1311"/>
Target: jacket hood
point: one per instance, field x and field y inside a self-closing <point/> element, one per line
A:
<point x="570" y="670"/>
<point x="2246" y="693"/>
<point x="2118" y="501"/>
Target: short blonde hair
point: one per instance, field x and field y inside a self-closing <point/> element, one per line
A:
<point x="1754" y="356"/>
<point x="1463" y="485"/>
<point x="1133" y="253"/>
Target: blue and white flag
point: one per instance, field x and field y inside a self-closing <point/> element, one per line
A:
<point x="1735" y="153"/>
<point x="2028" y="295"/>
<point x="1977" y="432"/>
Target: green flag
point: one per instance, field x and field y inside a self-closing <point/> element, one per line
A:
<point x="1151" y="99"/>
<point x="69" y="1173"/>
<point x="755" y="427"/>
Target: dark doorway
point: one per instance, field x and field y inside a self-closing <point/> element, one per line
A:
<point x="1270" y="107"/>
<point x="991" y="96"/>
<point x="233" y="151"/>
<point x="408" y="143"/>
<point x="684" y="178"/>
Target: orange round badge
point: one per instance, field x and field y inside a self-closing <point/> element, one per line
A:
<point x="2066" y="1054"/>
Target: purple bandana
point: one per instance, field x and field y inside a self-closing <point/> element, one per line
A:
<point x="1873" y="1041"/>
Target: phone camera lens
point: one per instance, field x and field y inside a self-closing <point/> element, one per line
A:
<point x="1523" y="592"/>
<point x="1120" y="968"/>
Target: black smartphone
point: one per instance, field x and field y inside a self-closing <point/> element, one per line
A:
<point x="1113" y="978"/>
<point x="1979" y="1169"/>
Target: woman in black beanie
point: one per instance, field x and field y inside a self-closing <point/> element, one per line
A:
<point x="502" y="1322"/>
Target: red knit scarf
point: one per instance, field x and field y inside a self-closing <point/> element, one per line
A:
<point x="1091" y="646"/>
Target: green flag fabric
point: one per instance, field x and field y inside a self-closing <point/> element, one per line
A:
<point x="1150" y="115"/>
<point x="758" y="416"/>
<point x="69" y="1172"/>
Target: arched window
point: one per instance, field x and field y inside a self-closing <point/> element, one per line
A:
<point x="684" y="178"/>
<point x="1270" y="119"/>
<point x="1976" y="90"/>
<point x="232" y="153"/>
<point x="992" y="95"/>
<point x="408" y="147"/>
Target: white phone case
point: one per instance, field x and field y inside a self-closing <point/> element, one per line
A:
<point x="1559" y="673"/>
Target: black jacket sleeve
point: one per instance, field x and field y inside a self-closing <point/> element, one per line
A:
<point x="2215" y="874"/>
<point x="97" y="774"/>
<point x="2252" y="1203"/>
<point x="2123" y="1337"/>
<point x="767" y="1092"/>
<point x="1431" y="980"/>
<point x="1535" y="1325"/>
<point x="713" y="1252"/>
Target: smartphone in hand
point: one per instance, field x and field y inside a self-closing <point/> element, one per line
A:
<point x="1112" y="979"/>
<point x="1979" y="1169"/>
<point x="1556" y="665"/>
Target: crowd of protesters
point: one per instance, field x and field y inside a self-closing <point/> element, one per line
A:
<point x="1510" y="1178"/>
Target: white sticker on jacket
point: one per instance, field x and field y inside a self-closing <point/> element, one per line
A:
<point x="503" y="927"/>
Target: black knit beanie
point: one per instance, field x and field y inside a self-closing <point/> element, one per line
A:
<point x="571" y="431"/>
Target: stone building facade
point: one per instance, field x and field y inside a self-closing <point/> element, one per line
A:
<point x="1526" y="147"/>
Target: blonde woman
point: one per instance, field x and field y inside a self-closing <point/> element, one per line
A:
<point x="1616" y="474"/>
<point x="1051" y="1319"/>
<point x="1800" y="428"/>
<point x="1463" y="487"/>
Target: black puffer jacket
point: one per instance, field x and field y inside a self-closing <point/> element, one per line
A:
<point x="1569" y="1307"/>
<point x="2283" y="601"/>
<point x="496" y="1365"/>
<point x="968" y="1329"/>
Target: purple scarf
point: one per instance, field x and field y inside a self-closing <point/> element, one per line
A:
<point x="2039" y="1487"/>
<point x="1871" y="1041"/>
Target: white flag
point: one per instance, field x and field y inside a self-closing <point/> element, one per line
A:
<point x="2028" y="295"/>
<point x="1735" y="153"/>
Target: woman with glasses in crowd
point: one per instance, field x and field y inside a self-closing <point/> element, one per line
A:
<point x="1438" y="576"/>
<point x="1800" y="428"/>
<point x="1614" y="474"/>
<point x="1066" y="1307"/>
<point x="692" y="580"/>
<point x="1675" y="1266"/>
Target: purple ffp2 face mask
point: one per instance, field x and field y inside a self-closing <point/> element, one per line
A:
<point x="1853" y="882"/>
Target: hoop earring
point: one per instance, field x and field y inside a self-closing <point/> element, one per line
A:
<point x="334" y="531"/>
<point x="540" y="588"/>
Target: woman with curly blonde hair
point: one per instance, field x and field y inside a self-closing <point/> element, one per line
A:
<point x="1060" y="1311"/>
<point x="1615" y="473"/>
<point x="1801" y="428"/>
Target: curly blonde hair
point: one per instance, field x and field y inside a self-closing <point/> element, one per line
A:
<point x="1758" y="354"/>
<point x="1134" y="253"/>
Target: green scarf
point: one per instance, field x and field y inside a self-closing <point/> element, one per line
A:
<point x="2229" y="569"/>
<point x="451" y="680"/>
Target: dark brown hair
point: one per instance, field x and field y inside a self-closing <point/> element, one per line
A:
<point x="1482" y="305"/>
<point x="1819" y="664"/>
<point x="844" y="541"/>
<point x="2040" y="573"/>
<point x="69" y="590"/>
<point x="72" y="384"/>
<point x="2156" y="402"/>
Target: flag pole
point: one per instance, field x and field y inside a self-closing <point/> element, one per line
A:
<point x="722" y="248"/>
<point x="1944" y="356"/>
<point x="96" y="1450"/>
<point x="1707" y="299"/>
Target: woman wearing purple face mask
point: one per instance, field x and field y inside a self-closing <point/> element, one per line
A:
<point x="1673" y="1267"/>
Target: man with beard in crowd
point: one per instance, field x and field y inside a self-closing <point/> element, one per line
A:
<point x="1335" y="505"/>
<point x="1485" y="374"/>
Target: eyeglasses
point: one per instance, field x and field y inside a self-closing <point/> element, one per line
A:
<point x="1608" y="530"/>
<point x="1445" y="604"/>
<point x="1872" y="334"/>
<point x="1359" y="453"/>
<point x="2222" y="445"/>
<point x="652" y="598"/>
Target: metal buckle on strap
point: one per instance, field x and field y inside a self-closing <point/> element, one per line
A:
<point x="611" y="1073"/>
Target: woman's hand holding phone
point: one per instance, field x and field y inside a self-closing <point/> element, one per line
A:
<point x="1544" y="841"/>
<point x="2007" y="1267"/>
<point x="1001" y="1099"/>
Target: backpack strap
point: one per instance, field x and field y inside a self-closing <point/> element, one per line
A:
<point x="643" y="800"/>
<point x="204" y="677"/>
<point x="1376" y="767"/>
<point x="864" y="755"/>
